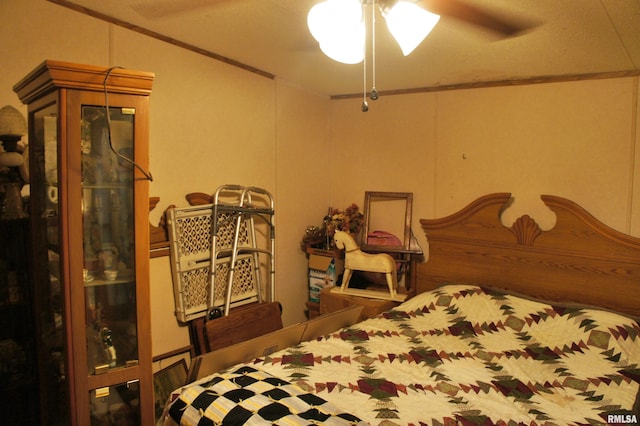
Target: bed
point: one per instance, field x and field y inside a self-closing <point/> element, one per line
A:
<point x="510" y="326"/>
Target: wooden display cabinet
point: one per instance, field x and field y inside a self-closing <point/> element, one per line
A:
<point x="88" y="156"/>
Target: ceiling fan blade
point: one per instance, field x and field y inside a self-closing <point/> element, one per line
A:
<point x="477" y="16"/>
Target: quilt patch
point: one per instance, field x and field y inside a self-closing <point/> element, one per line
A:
<point x="246" y="396"/>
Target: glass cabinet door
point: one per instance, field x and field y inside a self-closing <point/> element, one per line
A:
<point x="115" y="405"/>
<point x="49" y="299"/>
<point x="108" y="238"/>
<point x="108" y="247"/>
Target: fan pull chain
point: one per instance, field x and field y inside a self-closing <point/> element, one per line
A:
<point x="365" y="105"/>
<point x="374" y="92"/>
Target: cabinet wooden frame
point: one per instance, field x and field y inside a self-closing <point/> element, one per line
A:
<point x="59" y="91"/>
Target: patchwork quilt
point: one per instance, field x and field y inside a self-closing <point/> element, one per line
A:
<point x="464" y="355"/>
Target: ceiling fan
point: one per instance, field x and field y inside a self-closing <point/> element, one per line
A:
<point x="340" y="26"/>
<point x="482" y="17"/>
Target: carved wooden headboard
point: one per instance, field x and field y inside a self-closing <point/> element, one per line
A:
<point x="579" y="260"/>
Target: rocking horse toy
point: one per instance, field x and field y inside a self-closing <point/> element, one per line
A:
<point x="356" y="260"/>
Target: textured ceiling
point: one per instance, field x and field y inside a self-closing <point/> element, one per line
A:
<point x="571" y="38"/>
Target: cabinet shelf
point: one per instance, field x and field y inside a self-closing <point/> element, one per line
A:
<point x="105" y="282"/>
<point x="115" y="185"/>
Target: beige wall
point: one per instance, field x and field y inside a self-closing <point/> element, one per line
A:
<point x="576" y="139"/>
<point x="213" y="124"/>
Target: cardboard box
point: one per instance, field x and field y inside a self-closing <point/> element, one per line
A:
<point x="324" y="269"/>
<point x="331" y="302"/>
<point x="220" y="359"/>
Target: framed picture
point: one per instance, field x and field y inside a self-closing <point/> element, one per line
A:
<point x="166" y="381"/>
<point x="390" y="212"/>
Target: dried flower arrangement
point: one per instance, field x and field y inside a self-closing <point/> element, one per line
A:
<point x="349" y="220"/>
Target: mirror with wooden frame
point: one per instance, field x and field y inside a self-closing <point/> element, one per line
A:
<point x="389" y="212"/>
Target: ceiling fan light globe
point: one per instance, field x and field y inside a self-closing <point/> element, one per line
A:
<point x="339" y="28"/>
<point x="318" y="20"/>
<point x="409" y="24"/>
<point x="325" y="17"/>
<point x="347" y="49"/>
